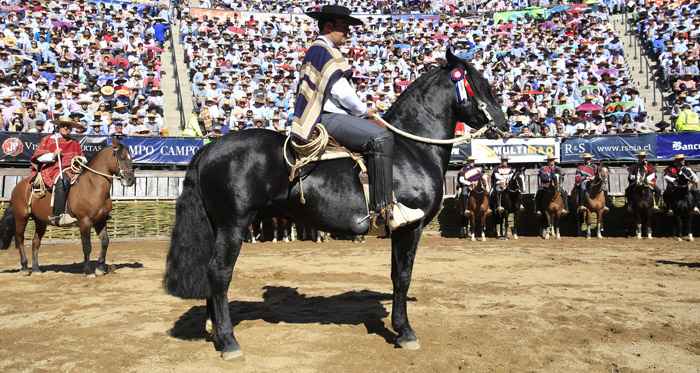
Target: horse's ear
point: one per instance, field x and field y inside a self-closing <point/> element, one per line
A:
<point x="115" y="144"/>
<point x="452" y="60"/>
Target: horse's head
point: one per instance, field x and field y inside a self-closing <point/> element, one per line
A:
<point x="686" y="175"/>
<point x="517" y="181"/>
<point x="475" y="103"/>
<point x="484" y="182"/>
<point x="121" y="163"/>
<point x="602" y="175"/>
<point x="556" y="179"/>
<point x="640" y="174"/>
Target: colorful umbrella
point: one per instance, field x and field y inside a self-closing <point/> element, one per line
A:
<point x="458" y="24"/>
<point x="154" y="48"/>
<point x="402" y="46"/>
<point x="578" y="5"/>
<point x="561" y="106"/>
<point x="506" y="26"/>
<point x="532" y="92"/>
<point x="573" y="11"/>
<point x="13" y="8"/>
<point x="589" y="87"/>
<point x="503" y="33"/>
<point x="589" y="107"/>
<point x="63" y="24"/>
<point x="286" y="67"/>
<point x="440" y="37"/>
<point x="548" y="24"/>
<point x="102" y="20"/>
<point x="587" y="42"/>
<point x="404" y="82"/>
<point x="623" y="104"/>
<point x="617" y="114"/>
<point x="360" y="76"/>
<point x="118" y="61"/>
<point x="610" y="71"/>
<point x="236" y="30"/>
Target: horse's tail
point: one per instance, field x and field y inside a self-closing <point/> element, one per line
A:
<point x="7" y="227"/>
<point x="192" y="241"/>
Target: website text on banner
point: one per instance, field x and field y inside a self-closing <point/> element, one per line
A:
<point x="672" y="144"/>
<point x="608" y="147"/>
<point x="517" y="150"/>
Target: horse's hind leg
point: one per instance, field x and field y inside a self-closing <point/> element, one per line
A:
<point x="36" y="243"/>
<point x="220" y="268"/>
<point x="483" y="227"/>
<point x="101" y="230"/>
<point x="689" y="227"/>
<point x="274" y="229"/>
<point x="20" y="227"/>
<point x="472" y="223"/>
<point x="638" y="224"/>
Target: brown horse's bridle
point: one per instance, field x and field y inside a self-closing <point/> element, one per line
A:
<point x="119" y="165"/>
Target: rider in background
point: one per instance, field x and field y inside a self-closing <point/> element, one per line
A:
<point x="499" y="178"/>
<point x="545" y="176"/>
<point x="45" y="161"/>
<point x="325" y="95"/>
<point x="468" y="175"/>
<point x="671" y="176"/>
<point x="650" y="180"/>
<point x="585" y="174"/>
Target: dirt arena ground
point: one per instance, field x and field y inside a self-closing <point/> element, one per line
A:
<point x="615" y="304"/>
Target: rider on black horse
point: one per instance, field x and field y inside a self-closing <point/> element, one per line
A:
<point x="325" y="95"/>
<point x="545" y="175"/>
<point x="650" y="180"/>
<point x="671" y="174"/>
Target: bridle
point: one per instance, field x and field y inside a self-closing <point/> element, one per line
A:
<point x="601" y="180"/>
<point x="483" y="188"/>
<point x="518" y="181"/>
<point x="122" y="171"/>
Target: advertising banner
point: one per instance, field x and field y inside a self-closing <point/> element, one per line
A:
<point x="460" y="153"/>
<point x="18" y="147"/>
<point x="162" y="150"/>
<point x="608" y="147"/>
<point x="672" y="144"/>
<point x="518" y="150"/>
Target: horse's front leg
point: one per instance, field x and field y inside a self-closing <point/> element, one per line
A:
<point x="557" y="224"/>
<point x="36" y="243"/>
<point x="689" y="227"/>
<point x="588" y="224"/>
<point x="483" y="227"/>
<point x="101" y="230"/>
<point x="472" y="223"/>
<point x="404" y="244"/>
<point x="599" y="223"/>
<point x="647" y="219"/>
<point x="87" y="249"/>
<point x="638" y="225"/>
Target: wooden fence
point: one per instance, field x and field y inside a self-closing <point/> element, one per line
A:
<point x="167" y="185"/>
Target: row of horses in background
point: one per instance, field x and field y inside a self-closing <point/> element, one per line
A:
<point x="473" y="208"/>
<point x="256" y="232"/>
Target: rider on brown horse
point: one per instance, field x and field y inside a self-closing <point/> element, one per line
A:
<point x="671" y="176"/>
<point x="499" y="179"/>
<point x="325" y="95"/>
<point x="53" y="161"/>
<point x="650" y="180"/>
<point x="545" y="176"/>
<point x="585" y="173"/>
<point x="469" y="175"/>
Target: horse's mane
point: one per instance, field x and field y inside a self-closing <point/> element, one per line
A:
<point x="478" y="82"/>
<point x="91" y="161"/>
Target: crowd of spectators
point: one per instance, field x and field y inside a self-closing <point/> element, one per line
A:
<point x="557" y="73"/>
<point x="96" y="63"/>
<point x="671" y="35"/>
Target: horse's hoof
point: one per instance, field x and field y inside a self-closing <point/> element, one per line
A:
<point x="639" y="236"/>
<point x="274" y="240"/>
<point x="99" y="272"/>
<point x="483" y="239"/>
<point x="649" y="237"/>
<point x="690" y="238"/>
<point x="473" y="239"/>
<point x="36" y="271"/>
<point x="25" y="272"/>
<point x="515" y="236"/>
<point x="558" y="237"/>
<point x="546" y="237"/>
<point x="286" y="240"/>
<point x="91" y="275"/>
<point x="236" y="355"/>
<point x="600" y="236"/>
<point x="409" y="345"/>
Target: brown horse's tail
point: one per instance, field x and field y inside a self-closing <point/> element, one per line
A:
<point x="7" y="227"/>
<point x="192" y="241"/>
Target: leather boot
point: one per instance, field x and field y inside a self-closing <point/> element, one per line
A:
<point x="657" y="197"/>
<point x="607" y="201"/>
<point x="538" y="203"/>
<point x="61" y="218"/>
<point x="379" y="151"/>
<point x="499" y="209"/>
<point x="581" y="198"/>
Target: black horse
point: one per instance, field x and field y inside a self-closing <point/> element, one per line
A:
<point x="682" y="203"/>
<point x="511" y="201"/>
<point x="641" y="201"/>
<point x="244" y="173"/>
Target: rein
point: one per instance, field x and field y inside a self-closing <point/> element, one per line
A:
<point x="516" y="190"/>
<point x="466" y="138"/>
<point x="84" y="165"/>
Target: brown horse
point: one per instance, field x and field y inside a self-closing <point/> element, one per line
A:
<point x="552" y="204"/>
<point x="88" y="201"/>
<point x="478" y="206"/>
<point x="594" y="202"/>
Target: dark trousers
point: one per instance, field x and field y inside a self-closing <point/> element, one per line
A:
<point x="60" y="194"/>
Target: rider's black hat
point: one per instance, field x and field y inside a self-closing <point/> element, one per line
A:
<point x="333" y="12"/>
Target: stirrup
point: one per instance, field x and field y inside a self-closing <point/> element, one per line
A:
<point x="564" y="212"/>
<point x="522" y="208"/>
<point x="606" y="209"/>
<point x="63" y="220"/>
<point x="538" y="213"/>
<point x="500" y="209"/>
<point x="655" y="208"/>
<point x="582" y="209"/>
<point x="402" y="215"/>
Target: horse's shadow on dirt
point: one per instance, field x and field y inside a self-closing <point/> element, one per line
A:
<point x="285" y="304"/>
<point x="680" y="264"/>
<point x="75" y="268"/>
